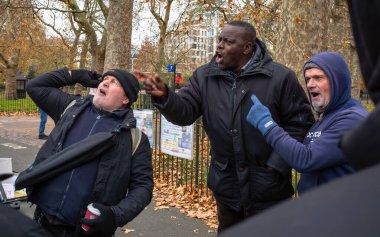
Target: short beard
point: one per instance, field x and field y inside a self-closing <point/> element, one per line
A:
<point x="318" y="108"/>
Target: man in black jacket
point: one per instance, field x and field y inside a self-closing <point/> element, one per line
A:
<point x="245" y="175"/>
<point x="117" y="182"/>
<point x="361" y="145"/>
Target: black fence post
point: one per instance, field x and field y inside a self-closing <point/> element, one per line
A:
<point x="196" y="153"/>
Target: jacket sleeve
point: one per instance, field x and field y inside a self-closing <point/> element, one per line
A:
<point x="46" y="93"/>
<point x="184" y="107"/>
<point x="322" y="153"/>
<point x="140" y="187"/>
<point x="361" y="145"/>
<point x="294" y="115"/>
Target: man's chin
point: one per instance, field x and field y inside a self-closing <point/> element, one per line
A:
<point x="97" y="101"/>
<point x="221" y="66"/>
<point x="318" y="108"/>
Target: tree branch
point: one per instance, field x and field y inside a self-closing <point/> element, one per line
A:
<point x="6" y="62"/>
<point x="54" y="29"/>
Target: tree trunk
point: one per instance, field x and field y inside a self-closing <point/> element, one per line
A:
<point x="10" y="76"/>
<point x="341" y="40"/>
<point x="307" y="28"/>
<point x="303" y="33"/>
<point x="119" y="32"/>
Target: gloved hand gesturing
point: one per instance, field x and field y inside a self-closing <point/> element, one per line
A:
<point x="86" y="78"/>
<point x="259" y="116"/>
<point x="103" y="225"/>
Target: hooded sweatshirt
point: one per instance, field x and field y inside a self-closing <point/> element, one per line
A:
<point x="319" y="158"/>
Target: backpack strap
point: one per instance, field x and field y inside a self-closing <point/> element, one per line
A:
<point x="68" y="107"/>
<point x="135" y="132"/>
<point x="136" y="139"/>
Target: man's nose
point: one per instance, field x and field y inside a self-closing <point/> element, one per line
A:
<point x="105" y="83"/>
<point x="310" y="83"/>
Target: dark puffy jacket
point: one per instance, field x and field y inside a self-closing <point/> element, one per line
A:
<point x="123" y="181"/>
<point x="238" y="173"/>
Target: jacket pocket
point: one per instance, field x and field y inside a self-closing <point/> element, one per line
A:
<point x="216" y="174"/>
<point x="269" y="185"/>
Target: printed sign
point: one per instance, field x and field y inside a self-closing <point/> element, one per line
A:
<point x="176" y="140"/>
<point x="144" y="121"/>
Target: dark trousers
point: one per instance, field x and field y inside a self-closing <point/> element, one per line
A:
<point x="229" y="216"/>
<point x="55" y="229"/>
<point x="43" y="120"/>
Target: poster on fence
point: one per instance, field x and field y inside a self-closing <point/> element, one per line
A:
<point x="176" y="140"/>
<point x="144" y="121"/>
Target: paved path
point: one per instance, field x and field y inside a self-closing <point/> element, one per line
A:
<point x="18" y="140"/>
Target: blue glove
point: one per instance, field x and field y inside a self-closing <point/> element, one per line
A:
<point x="260" y="117"/>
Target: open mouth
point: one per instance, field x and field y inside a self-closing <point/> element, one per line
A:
<point x="102" y="92"/>
<point x="314" y="95"/>
<point x="218" y="58"/>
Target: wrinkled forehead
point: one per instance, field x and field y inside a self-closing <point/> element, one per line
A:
<point x="312" y="72"/>
<point x="108" y="77"/>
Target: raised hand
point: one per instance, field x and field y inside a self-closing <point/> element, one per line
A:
<point x="153" y="85"/>
<point x="86" y="78"/>
<point x="260" y="117"/>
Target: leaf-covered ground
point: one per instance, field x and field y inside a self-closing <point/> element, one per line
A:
<point x="192" y="204"/>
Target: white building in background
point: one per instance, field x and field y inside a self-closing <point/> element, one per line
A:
<point x="134" y="54"/>
<point x="198" y="46"/>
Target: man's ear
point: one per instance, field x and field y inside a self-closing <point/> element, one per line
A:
<point x="248" y="48"/>
<point x="125" y="101"/>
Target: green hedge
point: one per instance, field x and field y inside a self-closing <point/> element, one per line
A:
<point x="19" y="105"/>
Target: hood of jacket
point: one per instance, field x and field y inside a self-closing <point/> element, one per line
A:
<point x="259" y="58"/>
<point x="336" y="69"/>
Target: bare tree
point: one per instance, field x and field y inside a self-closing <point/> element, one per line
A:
<point x="308" y="28"/>
<point x="99" y="23"/>
<point x="119" y="32"/>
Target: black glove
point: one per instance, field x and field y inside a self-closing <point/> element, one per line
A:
<point x="86" y="78"/>
<point x="103" y="225"/>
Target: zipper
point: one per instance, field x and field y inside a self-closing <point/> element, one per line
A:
<point x="93" y="126"/>
<point x="233" y="101"/>
<point x="73" y="171"/>
<point x="67" y="189"/>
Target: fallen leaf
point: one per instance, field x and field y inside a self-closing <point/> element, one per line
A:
<point x="161" y="207"/>
<point x="128" y="230"/>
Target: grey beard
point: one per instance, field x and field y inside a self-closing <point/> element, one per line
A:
<point x="318" y="109"/>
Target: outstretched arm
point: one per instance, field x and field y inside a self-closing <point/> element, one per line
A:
<point x="319" y="154"/>
<point x="153" y="85"/>
<point x="181" y="108"/>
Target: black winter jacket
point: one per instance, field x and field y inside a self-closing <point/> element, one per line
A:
<point x="238" y="174"/>
<point x="123" y="182"/>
